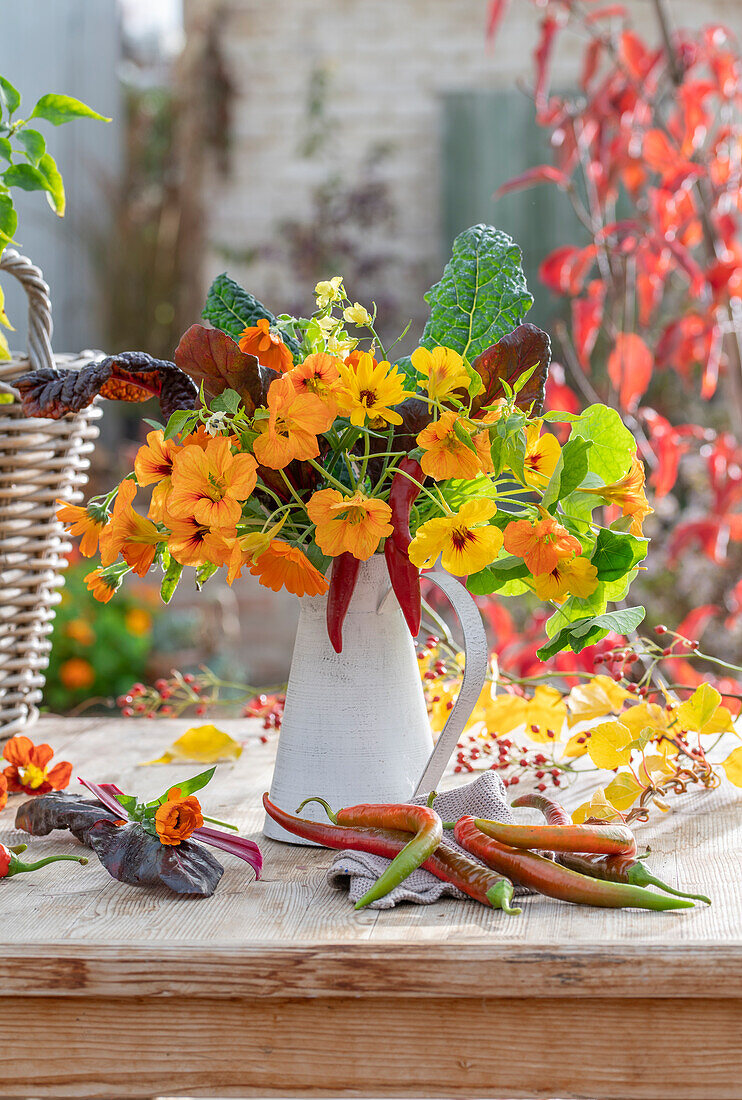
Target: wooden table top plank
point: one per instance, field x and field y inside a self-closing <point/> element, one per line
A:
<point x="291" y="930"/>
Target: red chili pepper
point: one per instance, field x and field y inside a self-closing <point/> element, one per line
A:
<point x="405" y="576"/>
<point x="619" y="868"/>
<point x="10" y="864"/>
<point x="607" y="839"/>
<point x="554" y="880"/>
<point x="478" y="882"/>
<point x="342" y="586"/>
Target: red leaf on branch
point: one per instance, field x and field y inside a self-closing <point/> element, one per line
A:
<point x="610" y="11"/>
<point x="630" y="368"/>
<point x="495" y="15"/>
<point x="590" y="62"/>
<point x="542" y="58"/>
<point x="560" y="397"/>
<point x="211" y="356"/>
<point x="664" y="158"/>
<point x="542" y="173"/>
<point x="564" y="270"/>
<point x="587" y="317"/>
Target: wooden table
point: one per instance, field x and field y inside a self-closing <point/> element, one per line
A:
<point x="280" y="988"/>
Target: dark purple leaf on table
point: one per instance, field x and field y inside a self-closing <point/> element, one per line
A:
<point x="508" y="359"/>
<point x="132" y="855"/>
<point x="211" y="356"/>
<point x="61" y="810"/>
<point x="129" y="376"/>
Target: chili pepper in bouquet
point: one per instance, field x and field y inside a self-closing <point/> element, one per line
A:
<point x="613" y="868"/>
<point x="405" y="576"/>
<point x="10" y="865"/>
<point x="423" y="821"/>
<point x="478" y="882"/>
<point x="342" y="586"/>
<point x="555" y="881"/>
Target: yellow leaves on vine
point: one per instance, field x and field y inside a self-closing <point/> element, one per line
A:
<point x="598" y="697"/>
<point x="733" y="767"/>
<point x="609" y="745"/>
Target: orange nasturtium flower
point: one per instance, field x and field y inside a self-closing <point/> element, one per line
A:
<point x="3" y="791"/>
<point x="128" y="534"/>
<point x="443" y="369"/>
<point x="541" y="544"/>
<point x="153" y="465"/>
<point x="446" y="455"/>
<point x="574" y="576"/>
<point x="76" y="673"/>
<point x="628" y="494"/>
<point x="209" y="485"/>
<point x="267" y="345"/>
<point x="194" y="543"/>
<point x="353" y="523"/>
<point x="28" y="769"/>
<point x="178" y="818"/>
<point x="294" y="422"/>
<point x="285" y="566"/>
<point x="103" y="583"/>
<point x="370" y="390"/>
<point x="465" y="539"/>
<point x="318" y="375"/>
<point x="85" y="520"/>
<point x="542" y="455"/>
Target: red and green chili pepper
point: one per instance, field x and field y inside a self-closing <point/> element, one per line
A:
<point x="342" y="585"/>
<point x="612" y="868"/>
<point x="554" y="880"/>
<point x="10" y="864"/>
<point x="606" y="839"/>
<point x="480" y="883"/>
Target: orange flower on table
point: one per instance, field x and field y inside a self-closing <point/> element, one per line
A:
<point x="370" y="390"/>
<point x="443" y="370"/>
<point x="84" y="521"/>
<point x="542" y="455"/>
<point x="465" y="539"/>
<point x="318" y="375"/>
<point x="354" y="523"/>
<point x="575" y="576"/>
<point x="3" y="791"/>
<point x="628" y="494"/>
<point x="153" y="465"/>
<point x="129" y="535"/>
<point x="445" y="453"/>
<point x="178" y="818"/>
<point x="76" y="674"/>
<point x="102" y="584"/>
<point x="194" y="543"/>
<point x="267" y="345"/>
<point x="294" y="422"/>
<point x="209" y="485"/>
<point x="541" y="544"/>
<point x="28" y="768"/>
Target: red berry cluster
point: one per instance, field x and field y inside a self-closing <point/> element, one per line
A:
<point x="505" y="755"/>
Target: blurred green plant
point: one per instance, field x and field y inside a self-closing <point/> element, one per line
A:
<point x="97" y="649"/>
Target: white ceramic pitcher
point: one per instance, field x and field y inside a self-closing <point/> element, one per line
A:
<point x="355" y="726"/>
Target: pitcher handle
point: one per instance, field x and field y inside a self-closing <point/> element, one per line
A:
<point x="475" y="673"/>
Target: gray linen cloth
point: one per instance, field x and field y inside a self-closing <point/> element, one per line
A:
<point x="484" y="797"/>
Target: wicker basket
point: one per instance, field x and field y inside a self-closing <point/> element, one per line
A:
<point x="40" y="461"/>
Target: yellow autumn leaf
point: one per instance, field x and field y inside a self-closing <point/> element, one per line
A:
<point x="3" y="315"/>
<point x="609" y="745"/>
<point x="505" y="713"/>
<point x="546" y="711"/>
<point x="645" y="714"/>
<point x="623" y="791"/>
<point x="201" y="745"/>
<point x="575" y="746"/>
<point x="656" y="765"/>
<point x="733" y="766"/>
<point x="4" y="348"/>
<point x="598" y="807"/>
<point x="599" y="696"/>
<point x="703" y="712"/>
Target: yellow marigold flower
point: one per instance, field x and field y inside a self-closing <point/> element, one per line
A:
<point x="87" y="521"/>
<point x="331" y="290"/>
<point x="466" y="541"/>
<point x="357" y="315"/>
<point x="128" y="534"/>
<point x="570" y="577"/>
<point x="267" y="345"/>
<point x="210" y="484"/>
<point x="292" y="427"/>
<point x="370" y="390"/>
<point x="354" y="523"/>
<point x="541" y="544"/>
<point x="542" y="455"/>
<point x="443" y="370"/>
<point x="446" y="455"/>
<point x="318" y="375"/>
<point x="628" y="494"/>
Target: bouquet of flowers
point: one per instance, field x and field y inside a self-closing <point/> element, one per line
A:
<point x="291" y="445"/>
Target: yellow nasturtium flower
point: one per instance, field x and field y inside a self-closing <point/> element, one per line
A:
<point x="330" y="290"/>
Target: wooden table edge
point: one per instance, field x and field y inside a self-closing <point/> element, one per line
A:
<point x="368" y="969"/>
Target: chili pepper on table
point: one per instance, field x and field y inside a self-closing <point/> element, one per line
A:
<point x="405" y="576"/>
<point x="10" y="864"/>
<point x="480" y="883"/>
<point x="606" y="839"/>
<point x="342" y="586"/>
<point x="556" y="881"/>
<point x="420" y="820"/>
<point x="617" y="868"/>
